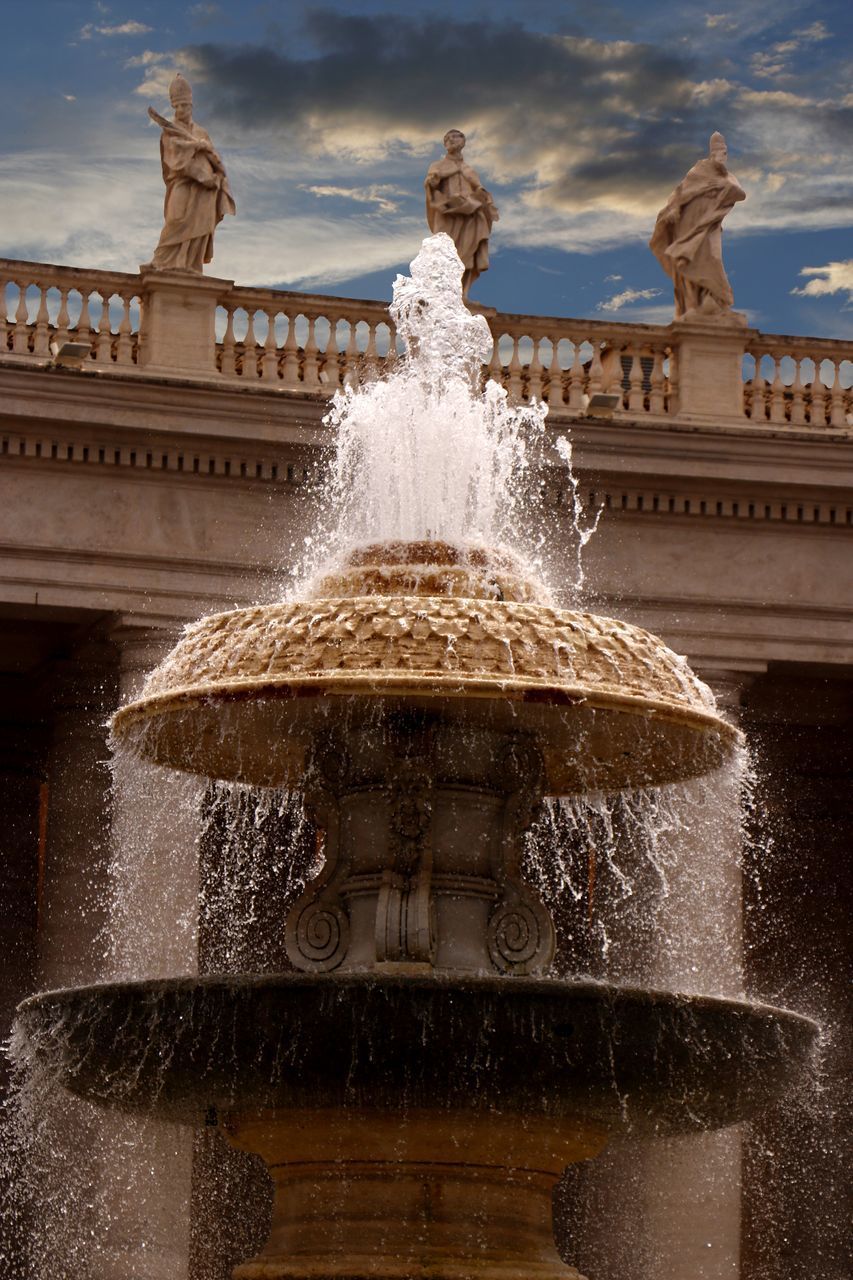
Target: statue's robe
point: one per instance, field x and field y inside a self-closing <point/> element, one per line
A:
<point x="690" y="249"/>
<point x="191" y="211"/>
<point x="460" y="206"/>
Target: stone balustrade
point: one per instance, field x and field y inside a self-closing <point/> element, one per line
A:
<point x="310" y="344"/>
<point x="302" y="341"/>
<point x="42" y="304"/>
<point x="798" y="381"/>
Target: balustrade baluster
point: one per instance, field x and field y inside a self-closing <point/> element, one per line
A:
<point x="576" y="376"/>
<point x="310" y="364"/>
<point x="124" y="342"/>
<point x="250" y="348"/>
<point x="229" y="351"/>
<point x="837" y="416"/>
<point x="21" y="333"/>
<point x="368" y="368"/>
<point x="636" y="395"/>
<point x="819" y="396"/>
<point x="4" y="317"/>
<point x="349" y="367"/>
<point x="753" y="389"/>
<point x="290" y="364"/>
<point x="391" y="354"/>
<point x="104" y="345"/>
<point x="657" y="403"/>
<point x="495" y="369"/>
<point x="83" y="328"/>
<point x="777" y="393"/>
<point x="798" y="407"/>
<point x="61" y="334"/>
<point x="41" y="335"/>
<point x="513" y="386"/>
<point x="596" y="373"/>
<point x="269" y="360"/>
<point x="534" y="373"/>
<point x="672" y="404"/>
<point x="330" y="374"/>
<point x="555" y="376"/>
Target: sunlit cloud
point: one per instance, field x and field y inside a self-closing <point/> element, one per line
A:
<point x="131" y="28"/>
<point x="378" y="194"/>
<point x="626" y="297"/>
<point x="834" y="277"/>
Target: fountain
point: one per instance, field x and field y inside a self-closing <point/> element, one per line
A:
<point x="418" y="1083"/>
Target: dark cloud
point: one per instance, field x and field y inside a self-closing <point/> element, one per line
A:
<point x="531" y="96"/>
<point x="576" y="120"/>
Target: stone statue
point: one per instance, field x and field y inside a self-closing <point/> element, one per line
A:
<point x="687" y="239"/>
<point x="458" y="204"/>
<point x="197" y="191"/>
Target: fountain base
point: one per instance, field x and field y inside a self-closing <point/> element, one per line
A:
<point x="447" y="1196"/>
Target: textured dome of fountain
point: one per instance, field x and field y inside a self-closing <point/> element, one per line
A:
<point x="463" y="629"/>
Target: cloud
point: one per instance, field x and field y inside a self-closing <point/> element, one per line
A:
<point x="608" y="279"/>
<point x="835" y="277"/>
<point x="568" y="124"/>
<point x="536" y="107"/>
<point x="130" y="28"/>
<point x="112" y="214"/>
<point x="776" y="60"/>
<point x="620" y="300"/>
<point x="205" y="13"/>
<point x="720" y="22"/>
<point x="70" y="97"/>
<point x="817" y="31"/>
<point x="378" y="194"/>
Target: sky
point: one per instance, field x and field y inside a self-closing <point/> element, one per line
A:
<point x="580" y="119"/>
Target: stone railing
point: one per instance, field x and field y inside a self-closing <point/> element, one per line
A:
<point x="798" y="381"/>
<point x="302" y="341"/>
<point x="178" y="325"/>
<point x="42" y="304"/>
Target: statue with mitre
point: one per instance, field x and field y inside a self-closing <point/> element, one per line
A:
<point x="197" y="191"/>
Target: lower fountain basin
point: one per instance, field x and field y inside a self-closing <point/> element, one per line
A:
<point x="625" y="1058"/>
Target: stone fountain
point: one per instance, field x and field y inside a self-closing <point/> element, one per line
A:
<point x="418" y="1083"/>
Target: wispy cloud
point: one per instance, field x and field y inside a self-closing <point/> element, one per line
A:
<point x="378" y="194"/>
<point x="130" y="28"/>
<point x="626" y="297"/>
<point x="720" y="22"/>
<point x="835" y="277"/>
<point x="768" y="64"/>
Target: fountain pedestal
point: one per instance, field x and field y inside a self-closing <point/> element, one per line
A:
<point x="445" y="1195"/>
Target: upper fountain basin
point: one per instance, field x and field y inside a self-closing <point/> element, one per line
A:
<point x="424" y="623"/>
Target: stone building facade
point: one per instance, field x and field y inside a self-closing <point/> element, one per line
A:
<point x="167" y="473"/>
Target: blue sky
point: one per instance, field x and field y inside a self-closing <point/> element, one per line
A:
<point x="580" y="119"/>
